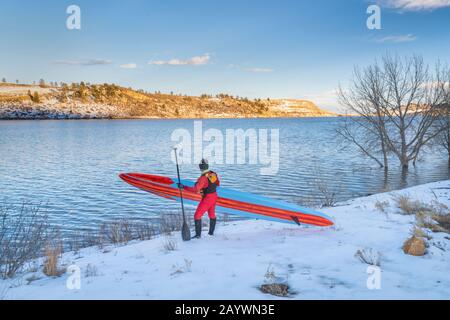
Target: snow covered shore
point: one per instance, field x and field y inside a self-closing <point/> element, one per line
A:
<point x="315" y="263"/>
<point x="56" y="111"/>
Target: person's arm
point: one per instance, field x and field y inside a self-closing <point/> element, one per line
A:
<point x="201" y="184"/>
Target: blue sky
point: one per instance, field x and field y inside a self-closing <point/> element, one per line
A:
<point x="253" y="48"/>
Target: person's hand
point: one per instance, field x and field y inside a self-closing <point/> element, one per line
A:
<point x="180" y="186"/>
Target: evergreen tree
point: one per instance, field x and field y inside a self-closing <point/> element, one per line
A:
<point x="36" y="98"/>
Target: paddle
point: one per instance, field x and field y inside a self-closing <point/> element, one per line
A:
<point x="185" y="231"/>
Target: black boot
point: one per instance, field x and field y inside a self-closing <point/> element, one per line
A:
<point x="198" y="229"/>
<point x="212" y="226"/>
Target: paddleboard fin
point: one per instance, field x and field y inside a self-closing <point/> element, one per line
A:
<point x="295" y="219"/>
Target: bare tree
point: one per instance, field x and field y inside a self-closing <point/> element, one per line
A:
<point x="357" y="131"/>
<point x="442" y="125"/>
<point x="396" y="102"/>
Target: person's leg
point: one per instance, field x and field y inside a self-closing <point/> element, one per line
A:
<point x="212" y="221"/>
<point x="212" y="217"/>
<point x="203" y="207"/>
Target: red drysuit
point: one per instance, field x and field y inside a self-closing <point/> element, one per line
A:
<point x="206" y="185"/>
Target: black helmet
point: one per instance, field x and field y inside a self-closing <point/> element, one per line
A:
<point x="204" y="165"/>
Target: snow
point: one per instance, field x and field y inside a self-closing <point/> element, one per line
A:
<point x="316" y="263"/>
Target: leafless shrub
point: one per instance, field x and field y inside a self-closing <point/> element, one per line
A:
<point x="118" y="232"/>
<point x="170" y="223"/>
<point x="169" y="244"/>
<point x="326" y="192"/>
<point x="24" y="231"/>
<point x="124" y="231"/>
<point x="187" y="267"/>
<point x="91" y="271"/>
<point x="369" y="256"/>
<point x="382" y="206"/>
<point x="114" y="232"/>
<point x="145" y="231"/>
<point x="270" y="275"/>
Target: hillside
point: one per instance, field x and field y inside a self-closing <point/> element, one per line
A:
<point x="77" y="101"/>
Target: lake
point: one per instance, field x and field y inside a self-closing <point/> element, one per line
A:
<point x="71" y="167"/>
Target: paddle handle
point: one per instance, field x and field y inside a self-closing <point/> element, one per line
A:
<point x="179" y="181"/>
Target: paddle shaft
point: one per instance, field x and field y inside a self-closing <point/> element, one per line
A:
<point x="179" y="181"/>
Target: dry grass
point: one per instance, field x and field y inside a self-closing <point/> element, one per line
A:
<point x="418" y="232"/>
<point x="435" y="217"/>
<point x="369" y="256"/>
<point x="443" y="222"/>
<point x="408" y="206"/>
<point x="51" y="265"/>
<point x="275" y="289"/>
<point x="434" y="222"/>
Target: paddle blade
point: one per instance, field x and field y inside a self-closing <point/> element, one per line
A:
<point x="185" y="232"/>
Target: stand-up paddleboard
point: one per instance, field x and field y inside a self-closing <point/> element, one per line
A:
<point x="231" y="201"/>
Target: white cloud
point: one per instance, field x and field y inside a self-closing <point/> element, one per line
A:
<point x="398" y="38"/>
<point x="415" y="5"/>
<point x="128" y="66"/>
<point x="194" y="61"/>
<point x="259" y="70"/>
<point x="83" y="62"/>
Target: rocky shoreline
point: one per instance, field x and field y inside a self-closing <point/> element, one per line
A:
<point x="96" y="111"/>
<point x="56" y="112"/>
<point x="80" y="101"/>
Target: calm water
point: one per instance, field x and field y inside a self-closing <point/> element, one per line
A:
<point x="72" y="167"/>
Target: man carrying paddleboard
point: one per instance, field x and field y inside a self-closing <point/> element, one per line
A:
<point x="206" y="185"/>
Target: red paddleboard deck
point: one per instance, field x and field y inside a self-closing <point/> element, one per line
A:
<point x="231" y="201"/>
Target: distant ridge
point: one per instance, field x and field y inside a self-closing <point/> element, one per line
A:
<point x="109" y="101"/>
